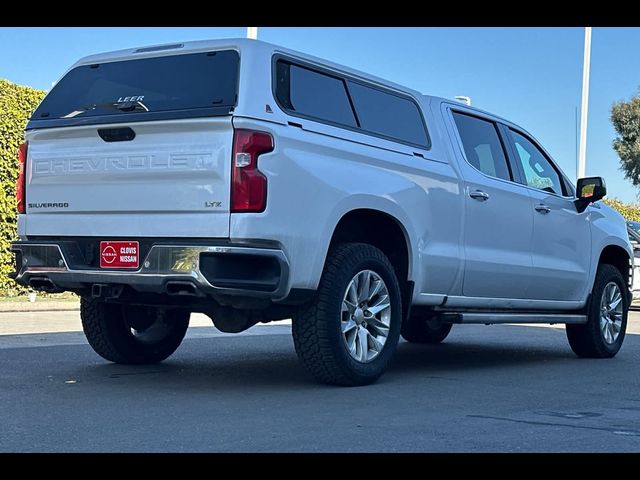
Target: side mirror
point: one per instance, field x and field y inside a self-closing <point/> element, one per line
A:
<point x="589" y="190"/>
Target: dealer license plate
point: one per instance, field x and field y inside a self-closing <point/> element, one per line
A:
<point x="119" y="254"/>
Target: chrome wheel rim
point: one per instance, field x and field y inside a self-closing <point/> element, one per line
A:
<point x="365" y="316"/>
<point x="611" y="313"/>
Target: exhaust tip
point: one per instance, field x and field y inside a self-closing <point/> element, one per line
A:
<point x="42" y="283"/>
<point x="183" y="289"/>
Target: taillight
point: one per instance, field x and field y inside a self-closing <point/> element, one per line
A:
<point x="21" y="184"/>
<point x="248" y="184"/>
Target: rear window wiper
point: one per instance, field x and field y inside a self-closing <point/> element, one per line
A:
<point x="77" y="112"/>
<point x="131" y="106"/>
<point x="122" y="106"/>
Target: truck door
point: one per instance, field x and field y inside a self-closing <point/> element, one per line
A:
<point x="498" y="215"/>
<point x="561" y="247"/>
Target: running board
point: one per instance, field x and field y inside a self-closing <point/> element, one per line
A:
<point x="489" y="318"/>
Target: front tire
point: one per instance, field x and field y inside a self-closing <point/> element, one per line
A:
<point x="130" y="334"/>
<point x="348" y="334"/>
<point x="603" y="334"/>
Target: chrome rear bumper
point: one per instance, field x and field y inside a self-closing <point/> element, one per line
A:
<point x="166" y="269"/>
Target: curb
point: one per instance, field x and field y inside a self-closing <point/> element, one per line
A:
<point x="43" y="306"/>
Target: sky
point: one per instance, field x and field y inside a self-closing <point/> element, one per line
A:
<point x="531" y="76"/>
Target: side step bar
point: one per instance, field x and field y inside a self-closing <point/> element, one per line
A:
<point x="489" y="318"/>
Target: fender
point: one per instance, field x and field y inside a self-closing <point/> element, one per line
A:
<point x="371" y="202"/>
<point x="605" y="232"/>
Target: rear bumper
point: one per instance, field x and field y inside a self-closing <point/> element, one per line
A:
<point x="169" y="269"/>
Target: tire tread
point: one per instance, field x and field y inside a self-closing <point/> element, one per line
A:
<point x="312" y="332"/>
<point x="102" y="324"/>
<point x="586" y="340"/>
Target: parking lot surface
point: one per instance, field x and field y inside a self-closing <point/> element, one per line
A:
<point x="488" y="388"/>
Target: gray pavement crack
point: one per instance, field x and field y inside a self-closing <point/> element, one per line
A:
<point x="126" y="374"/>
<point x="616" y="431"/>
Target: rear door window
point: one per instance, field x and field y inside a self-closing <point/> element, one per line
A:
<point x="207" y="80"/>
<point x="482" y="146"/>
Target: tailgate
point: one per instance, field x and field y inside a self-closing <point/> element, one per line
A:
<point x="171" y="180"/>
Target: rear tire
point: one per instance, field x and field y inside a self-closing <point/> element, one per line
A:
<point x="347" y="335"/>
<point x="603" y="334"/>
<point x="418" y="329"/>
<point x="132" y="334"/>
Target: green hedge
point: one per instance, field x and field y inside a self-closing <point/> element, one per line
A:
<point x="630" y="211"/>
<point x="16" y="105"/>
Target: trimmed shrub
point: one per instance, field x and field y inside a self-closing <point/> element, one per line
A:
<point x="16" y="105"/>
<point x="630" y="211"/>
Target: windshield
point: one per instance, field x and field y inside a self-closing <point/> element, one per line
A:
<point x="146" y="85"/>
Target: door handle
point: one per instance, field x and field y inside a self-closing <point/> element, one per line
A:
<point x="542" y="208"/>
<point x="479" y="195"/>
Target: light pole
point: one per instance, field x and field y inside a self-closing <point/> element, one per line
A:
<point x="252" y="33"/>
<point x="582" y="157"/>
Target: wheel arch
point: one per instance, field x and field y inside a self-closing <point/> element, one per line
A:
<point x="383" y="231"/>
<point x="380" y="229"/>
<point x="617" y="256"/>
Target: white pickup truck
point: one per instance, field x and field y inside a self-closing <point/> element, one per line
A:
<point x="253" y="183"/>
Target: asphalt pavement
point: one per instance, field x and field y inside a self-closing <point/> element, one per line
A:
<point x="487" y="388"/>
